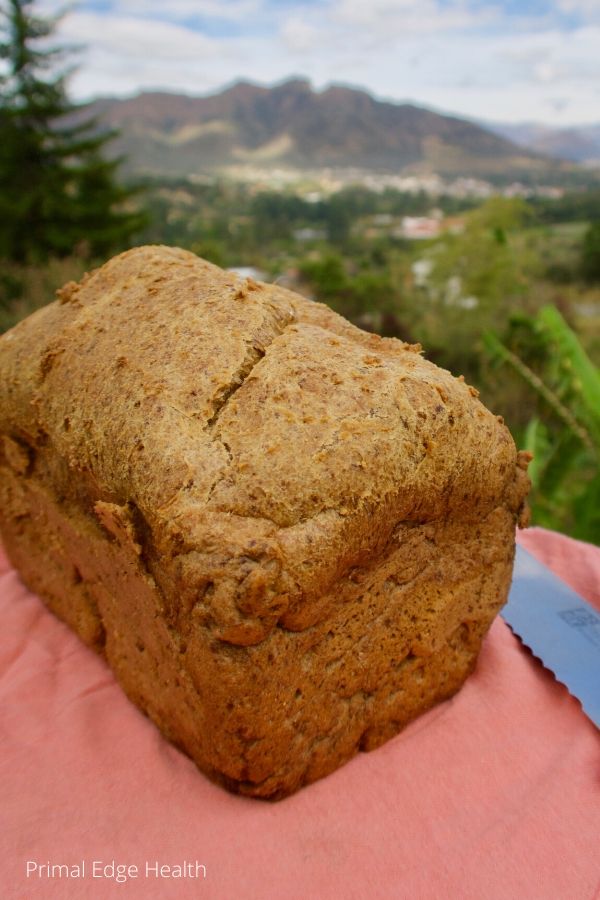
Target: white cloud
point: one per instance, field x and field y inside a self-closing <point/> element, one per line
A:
<point x="396" y="18"/>
<point x="588" y="10"/>
<point x="136" y="54"/>
<point x="547" y="57"/>
<point x="144" y="38"/>
<point x="546" y="72"/>
<point x="300" y="36"/>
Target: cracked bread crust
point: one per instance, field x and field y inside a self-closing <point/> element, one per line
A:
<point x="307" y="528"/>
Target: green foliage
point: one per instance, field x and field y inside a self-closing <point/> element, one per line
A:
<point x="475" y="279"/>
<point x="327" y="276"/>
<point x="564" y="434"/>
<point x="366" y="296"/>
<point x="590" y="253"/>
<point x="23" y="289"/>
<point x="57" y="191"/>
<point x="579" y="205"/>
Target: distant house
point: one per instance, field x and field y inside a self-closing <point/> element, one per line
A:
<point x="416" y="228"/>
<point x="309" y="234"/>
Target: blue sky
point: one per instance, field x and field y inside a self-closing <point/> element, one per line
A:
<point x="506" y="60"/>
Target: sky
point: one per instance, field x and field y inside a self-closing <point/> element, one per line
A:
<point x="504" y="61"/>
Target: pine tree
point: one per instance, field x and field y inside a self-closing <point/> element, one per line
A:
<point x="57" y="190"/>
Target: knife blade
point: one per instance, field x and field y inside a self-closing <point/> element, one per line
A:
<point x="559" y="627"/>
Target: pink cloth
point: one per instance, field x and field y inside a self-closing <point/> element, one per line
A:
<point x="494" y="794"/>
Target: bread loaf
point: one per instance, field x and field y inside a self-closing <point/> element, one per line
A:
<point x="286" y="536"/>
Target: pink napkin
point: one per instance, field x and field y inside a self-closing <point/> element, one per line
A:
<point x="494" y="794"/>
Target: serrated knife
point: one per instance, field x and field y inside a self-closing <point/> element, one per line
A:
<point x="559" y="627"/>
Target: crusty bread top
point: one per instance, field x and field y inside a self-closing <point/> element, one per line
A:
<point x="234" y="415"/>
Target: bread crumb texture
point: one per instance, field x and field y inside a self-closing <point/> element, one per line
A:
<point x="287" y="537"/>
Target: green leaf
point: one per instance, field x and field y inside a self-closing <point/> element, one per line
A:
<point x="583" y="375"/>
<point x="536" y="441"/>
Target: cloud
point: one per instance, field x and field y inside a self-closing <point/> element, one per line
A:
<point x="300" y="36"/>
<point x="547" y="57"/>
<point x="586" y="10"/>
<point x="547" y="72"/>
<point x="142" y="38"/>
<point x="144" y="54"/>
<point x="397" y="18"/>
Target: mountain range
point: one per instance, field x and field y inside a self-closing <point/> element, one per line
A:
<point x="578" y="143"/>
<point x="291" y="125"/>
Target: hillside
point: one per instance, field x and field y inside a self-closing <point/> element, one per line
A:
<point x="294" y="126"/>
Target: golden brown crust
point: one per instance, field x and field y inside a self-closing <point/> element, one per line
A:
<point x="252" y="460"/>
